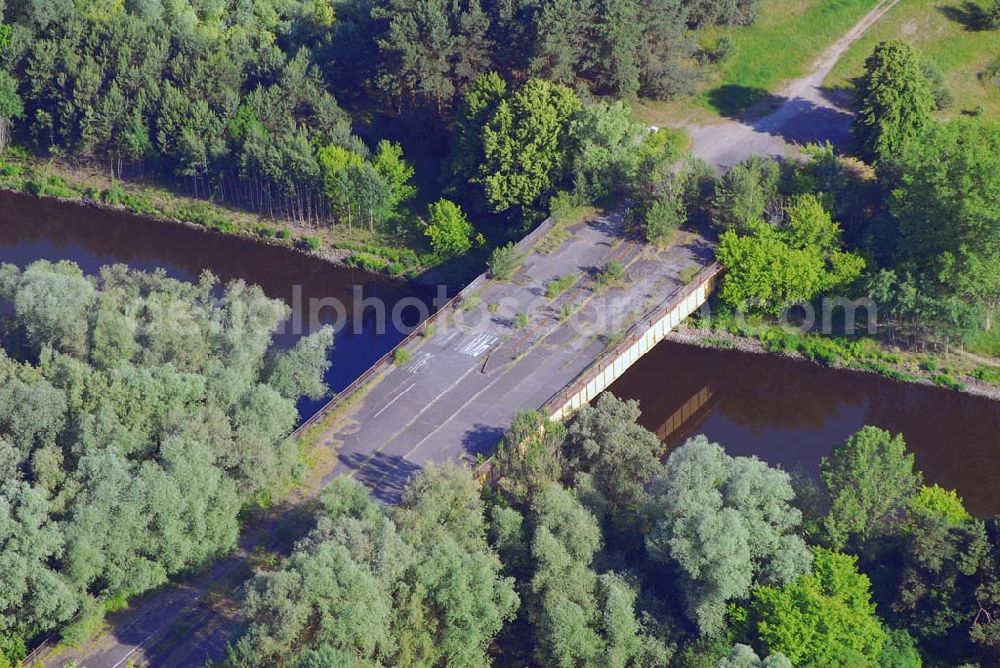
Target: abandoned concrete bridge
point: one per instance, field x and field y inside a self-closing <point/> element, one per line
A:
<point x="505" y="346"/>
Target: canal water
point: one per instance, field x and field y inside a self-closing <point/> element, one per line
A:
<point x="791" y="413"/>
<point x="33" y="229"/>
<point x="786" y="412"/>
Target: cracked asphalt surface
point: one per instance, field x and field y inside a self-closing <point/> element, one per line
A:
<point x="463" y="385"/>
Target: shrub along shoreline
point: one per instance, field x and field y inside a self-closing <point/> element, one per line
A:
<point x="862" y="355"/>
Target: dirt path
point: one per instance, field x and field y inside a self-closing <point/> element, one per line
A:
<point x="806" y="113"/>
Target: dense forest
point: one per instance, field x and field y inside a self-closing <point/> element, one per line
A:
<point x="256" y="103"/>
<point x="591" y="552"/>
<point x="138" y="415"/>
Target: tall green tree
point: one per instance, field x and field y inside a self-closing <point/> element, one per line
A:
<point x="430" y="50"/>
<point x="33" y="595"/>
<point x="943" y="584"/>
<point x="525" y="145"/>
<point x="448" y="228"/>
<point x="560" y="49"/>
<point x="603" y="159"/>
<point x="893" y="101"/>
<point x="606" y="442"/>
<point x="566" y="538"/>
<point x="824" y="618"/>
<point x="869" y="479"/>
<point x="772" y="269"/>
<point x="947" y="204"/>
<point x="418" y="588"/>
<point x="746" y="193"/>
<point x="619" y="31"/>
<point x="396" y="173"/>
<point x="11" y="107"/>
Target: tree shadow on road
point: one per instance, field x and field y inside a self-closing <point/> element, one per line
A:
<point x="385" y="475"/>
<point x="798" y="121"/>
<point x="481" y="439"/>
<point x="608" y="226"/>
<point x="839" y="96"/>
<point x="743" y="103"/>
<point x="805" y="122"/>
<point x="701" y="249"/>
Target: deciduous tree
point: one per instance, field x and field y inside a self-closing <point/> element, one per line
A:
<point x="728" y="525"/>
<point x="449" y="231"/>
<point x="870" y="479"/>
<point x="824" y="618"/>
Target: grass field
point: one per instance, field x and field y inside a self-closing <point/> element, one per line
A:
<point x="781" y="45"/>
<point x="785" y="40"/>
<point x="939" y="30"/>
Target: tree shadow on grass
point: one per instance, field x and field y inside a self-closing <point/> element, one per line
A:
<point x="969" y="14"/>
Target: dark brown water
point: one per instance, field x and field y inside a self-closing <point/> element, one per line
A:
<point x="33" y="229"/>
<point x="791" y="413"/>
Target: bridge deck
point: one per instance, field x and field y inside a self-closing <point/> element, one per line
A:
<point x="464" y="383"/>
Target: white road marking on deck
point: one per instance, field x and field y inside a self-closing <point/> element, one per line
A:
<point x="444" y="342"/>
<point x="394" y="399"/>
<point x="419" y="362"/>
<point x="131" y="652"/>
<point x="477" y="345"/>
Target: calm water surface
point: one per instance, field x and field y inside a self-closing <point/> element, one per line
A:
<point x="33" y="229"/>
<point x="786" y="412"/>
<point x="791" y="413"/>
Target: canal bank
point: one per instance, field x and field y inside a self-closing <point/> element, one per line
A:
<point x="790" y="413"/>
<point x="947" y="370"/>
<point x="79" y="183"/>
<point x="33" y="228"/>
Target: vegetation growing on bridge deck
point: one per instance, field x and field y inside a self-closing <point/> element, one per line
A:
<point x="591" y="551"/>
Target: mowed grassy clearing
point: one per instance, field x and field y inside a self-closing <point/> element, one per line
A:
<point x="935" y="29"/>
<point x="782" y="44"/>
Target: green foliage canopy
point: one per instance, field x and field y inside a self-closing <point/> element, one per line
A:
<point x="728" y="525"/>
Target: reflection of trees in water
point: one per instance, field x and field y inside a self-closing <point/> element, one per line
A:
<point x="93" y="237"/>
<point x="764" y="392"/>
<point x="954" y="436"/>
<point x="755" y="391"/>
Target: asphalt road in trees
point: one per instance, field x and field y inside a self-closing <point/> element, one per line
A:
<point x="517" y="344"/>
